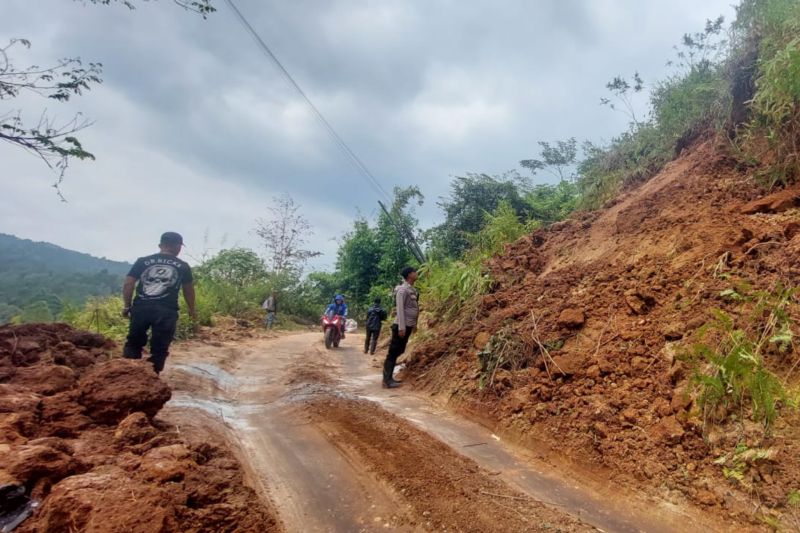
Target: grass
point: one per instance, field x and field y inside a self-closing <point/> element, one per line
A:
<point x="731" y="373"/>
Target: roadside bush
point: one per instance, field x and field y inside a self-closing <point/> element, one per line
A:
<point x="99" y="314"/>
<point x="734" y="375"/>
<point x="773" y="136"/>
<point x="449" y="284"/>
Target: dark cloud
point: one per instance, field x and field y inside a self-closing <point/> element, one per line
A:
<point x="421" y="90"/>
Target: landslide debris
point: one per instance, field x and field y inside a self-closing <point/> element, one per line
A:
<point x="80" y="449"/>
<point x="605" y="307"/>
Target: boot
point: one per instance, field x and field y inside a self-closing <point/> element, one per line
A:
<point x="392" y="384"/>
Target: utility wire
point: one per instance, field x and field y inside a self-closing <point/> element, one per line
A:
<point x="400" y="226"/>
<point x="351" y="156"/>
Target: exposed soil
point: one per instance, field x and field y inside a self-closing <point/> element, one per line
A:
<point x="80" y="448"/>
<point x="441" y="489"/>
<point x="593" y="316"/>
<point x="333" y="462"/>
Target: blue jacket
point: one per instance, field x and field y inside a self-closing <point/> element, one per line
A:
<point x="336" y="309"/>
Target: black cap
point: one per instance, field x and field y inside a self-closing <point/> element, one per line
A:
<point x="171" y="238"/>
<point x="377" y="300"/>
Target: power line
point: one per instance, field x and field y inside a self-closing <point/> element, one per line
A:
<point x="351" y="156"/>
<point x="404" y="232"/>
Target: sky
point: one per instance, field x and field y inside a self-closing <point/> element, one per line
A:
<point x="195" y="131"/>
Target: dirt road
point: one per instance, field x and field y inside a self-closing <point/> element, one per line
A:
<point x="335" y="452"/>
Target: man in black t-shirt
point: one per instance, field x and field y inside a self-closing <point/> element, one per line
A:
<point x="160" y="278"/>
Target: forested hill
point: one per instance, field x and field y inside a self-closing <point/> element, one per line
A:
<point x="40" y="278"/>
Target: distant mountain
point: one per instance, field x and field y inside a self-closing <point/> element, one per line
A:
<point x="46" y="276"/>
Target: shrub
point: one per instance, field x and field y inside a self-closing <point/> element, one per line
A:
<point x="735" y="375"/>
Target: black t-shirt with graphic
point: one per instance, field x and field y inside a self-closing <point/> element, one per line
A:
<point x="160" y="277"/>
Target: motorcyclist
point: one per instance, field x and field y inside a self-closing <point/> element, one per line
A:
<point x="338" y="307"/>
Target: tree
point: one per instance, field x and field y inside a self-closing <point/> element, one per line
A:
<point x="358" y="262"/>
<point x="239" y="267"/>
<point x="557" y="158"/>
<point x="285" y="235"/>
<point x="394" y="252"/>
<point x="471" y="198"/>
<point x="53" y="141"/>
<point x="623" y="91"/>
<point x="203" y="7"/>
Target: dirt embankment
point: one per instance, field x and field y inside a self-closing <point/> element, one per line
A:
<point x="80" y="449"/>
<point x="592" y="316"/>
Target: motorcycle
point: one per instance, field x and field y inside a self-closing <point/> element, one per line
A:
<point x="332" y="330"/>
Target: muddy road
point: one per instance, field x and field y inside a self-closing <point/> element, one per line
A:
<point x="334" y="452"/>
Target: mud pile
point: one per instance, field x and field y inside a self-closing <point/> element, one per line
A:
<point x="592" y="315"/>
<point x="80" y="450"/>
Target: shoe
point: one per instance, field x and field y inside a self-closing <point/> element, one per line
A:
<point x="365" y="351"/>
<point x="371" y="353"/>
<point x="390" y="384"/>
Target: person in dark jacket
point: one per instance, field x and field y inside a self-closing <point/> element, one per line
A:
<point x="157" y="280"/>
<point x="375" y="317"/>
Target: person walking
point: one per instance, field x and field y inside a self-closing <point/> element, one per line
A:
<point x="375" y="317"/>
<point x="270" y="305"/>
<point x="404" y="324"/>
<point x="157" y="280"/>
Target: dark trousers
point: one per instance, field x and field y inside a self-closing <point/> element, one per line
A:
<point x="161" y="322"/>
<point x="396" y="348"/>
<point x="371" y="340"/>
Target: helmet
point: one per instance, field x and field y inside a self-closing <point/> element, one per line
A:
<point x="338" y="297"/>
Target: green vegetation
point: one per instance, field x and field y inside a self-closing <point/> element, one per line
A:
<point x="39" y="280"/>
<point x="448" y="284"/>
<point x="731" y="374"/>
<point x="771" y="137"/>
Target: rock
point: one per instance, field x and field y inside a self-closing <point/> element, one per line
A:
<point x="605" y="366"/>
<point x="630" y="415"/>
<point x="662" y="407"/>
<point x="773" y="203"/>
<point x="674" y="331"/>
<point x="791" y="229"/>
<point x="30" y="463"/>
<point x="681" y="399"/>
<point x="85" y="339"/>
<point x="113" y="389"/>
<point x="600" y="429"/>
<point x="16" y="398"/>
<point x="706" y="497"/>
<point x="27" y="344"/>
<point x="135" y="429"/>
<point x="168" y="463"/>
<point x="14" y="427"/>
<point x="481" y="339"/>
<point x="519" y="399"/>
<point x="61" y="415"/>
<point x="639" y="302"/>
<point x="46" y="379"/>
<point x="668" y="431"/>
<point x="677" y="372"/>
<point x="571" y="318"/>
<point x="106" y="499"/>
<point x="568" y="364"/>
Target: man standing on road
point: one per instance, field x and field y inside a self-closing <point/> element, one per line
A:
<point x="404" y="324"/>
<point x="270" y="305"/>
<point x="160" y="277"/>
<point x="375" y="316"/>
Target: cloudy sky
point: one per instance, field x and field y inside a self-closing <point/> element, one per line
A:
<point x="195" y="131"/>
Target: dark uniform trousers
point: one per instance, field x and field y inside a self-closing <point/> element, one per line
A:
<point x="371" y="340"/>
<point x="161" y="321"/>
<point x="396" y="348"/>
